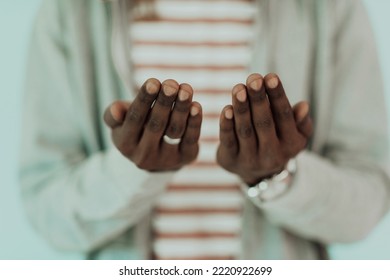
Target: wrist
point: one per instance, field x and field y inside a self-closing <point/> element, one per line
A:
<point x="273" y="187"/>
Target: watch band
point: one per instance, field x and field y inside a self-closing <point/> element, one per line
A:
<point x="275" y="186"/>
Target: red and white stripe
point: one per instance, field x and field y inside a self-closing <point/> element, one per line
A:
<point x="208" y="44"/>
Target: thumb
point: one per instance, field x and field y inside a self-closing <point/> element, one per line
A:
<point x="115" y="113"/>
<point x="303" y="119"/>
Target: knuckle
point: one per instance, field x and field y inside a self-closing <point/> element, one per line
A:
<point x="190" y="140"/>
<point x="229" y="142"/>
<point x="245" y="131"/>
<point x="134" y="115"/>
<point x="242" y="109"/>
<point x="285" y="114"/>
<point x="264" y="124"/>
<point x="266" y="153"/>
<point x="258" y="97"/>
<point x="194" y="125"/>
<point x="156" y="124"/>
<point x="175" y="129"/>
<point x="226" y="128"/>
<point x="251" y="162"/>
<point x="271" y="161"/>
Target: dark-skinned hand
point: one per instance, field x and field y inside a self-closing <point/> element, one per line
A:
<point x="158" y="109"/>
<point x="261" y="132"/>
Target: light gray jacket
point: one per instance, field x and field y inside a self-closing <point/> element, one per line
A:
<point x="83" y="195"/>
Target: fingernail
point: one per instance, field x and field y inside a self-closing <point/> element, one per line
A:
<point x="241" y="95"/>
<point x="255" y="81"/>
<point x="169" y="91"/>
<point x="239" y="91"/>
<point x="152" y="87"/>
<point x="183" y="95"/>
<point x="116" y="114"/>
<point x="256" y="84"/>
<point x="303" y="113"/>
<point x="194" y="111"/>
<point x="272" y="82"/>
<point x="229" y="113"/>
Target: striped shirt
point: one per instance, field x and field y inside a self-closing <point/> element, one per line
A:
<point x="208" y="44"/>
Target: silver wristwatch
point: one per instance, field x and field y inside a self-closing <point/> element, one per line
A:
<point x="275" y="186"/>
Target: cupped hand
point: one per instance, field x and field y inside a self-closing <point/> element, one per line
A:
<point x="261" y="132"/>
<point x="138" y="128"/>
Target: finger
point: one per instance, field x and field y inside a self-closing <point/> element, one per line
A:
<point x="138" y="112"/>
<point x="247" y="139"/>
<point x="178" y="120"/>
<point x="281" y="108"/>
<point x="262" y="118"/>
<point x="228" y="147"/>
<point x="160" y="113"/>
<point x="115" y="113"/>
<point x="189" y="146"/>
<point x="303" y="119"/>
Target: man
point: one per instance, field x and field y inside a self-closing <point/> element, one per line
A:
<point x="85" y="191"/>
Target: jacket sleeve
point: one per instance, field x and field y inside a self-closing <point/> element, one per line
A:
<point x="77" y="199"/>
<point x="340" y="193"/>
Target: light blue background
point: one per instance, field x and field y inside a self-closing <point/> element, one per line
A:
<point x="17" y="238"/>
